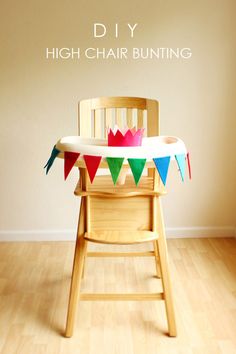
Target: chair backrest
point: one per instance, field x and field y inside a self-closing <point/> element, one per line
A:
<point x="96" y="114"/>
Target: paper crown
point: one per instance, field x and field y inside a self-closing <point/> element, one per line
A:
<point x="126" y="137"/>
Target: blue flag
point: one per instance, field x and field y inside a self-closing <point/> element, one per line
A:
<point x="162" y="165"/>
<point x="181" y="163"/>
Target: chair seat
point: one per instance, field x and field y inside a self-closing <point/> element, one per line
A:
<point x="120" y="237"/>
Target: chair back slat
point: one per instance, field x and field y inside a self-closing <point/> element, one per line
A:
<point x="140" y="118"/>
<point x="109" y="121"/>
<point x="129" y="117"/>
<point x="98" y="123"/>
<point x="119" y="117"/>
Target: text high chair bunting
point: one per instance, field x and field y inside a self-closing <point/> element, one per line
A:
<point x="120" y="208"/>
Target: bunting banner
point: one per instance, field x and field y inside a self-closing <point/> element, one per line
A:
<point x="162" y="165"/>
<point x="92" y="164"/>
<point x="137" y="166"/>
<point x="157" y="151"/>
<point x="181" y="163"/>
<point x="70" y="159"/>
<point x="115" y="165"/>
<point x="51" y="159"/>
<point x="189" y="166"/>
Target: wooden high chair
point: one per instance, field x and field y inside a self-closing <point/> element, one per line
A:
<point x="121" y="214"/>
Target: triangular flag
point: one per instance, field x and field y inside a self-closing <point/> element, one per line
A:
<point x="162" y="165"/>
<point x="92" y="163"/>
<point x="51" y="159"/>
<point x="137" y="166"/>
<point x="70" y="159"/>
<point x="181" y="163"/>
<point x="189" y="166"/>
<point x="115" y="164"/>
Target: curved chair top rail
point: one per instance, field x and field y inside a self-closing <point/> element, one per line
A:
<point x="118" y="102"/>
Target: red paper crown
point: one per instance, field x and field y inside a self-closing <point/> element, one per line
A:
<point x="128" y="137"/>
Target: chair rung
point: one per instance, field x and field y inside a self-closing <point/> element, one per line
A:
<point x="121" y="254"/>
<point x="122" y="297"/>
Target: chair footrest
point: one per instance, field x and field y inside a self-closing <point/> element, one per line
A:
<point x="122" y="297"/>
<point x="121" y="254"/>
<point x="120" y="237"/>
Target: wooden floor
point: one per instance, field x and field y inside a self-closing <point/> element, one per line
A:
<point x="34" y="286"/>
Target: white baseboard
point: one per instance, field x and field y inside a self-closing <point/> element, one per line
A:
<point x="37" y="235"/>
<point x="200" y="232"/>
<point x="69" y="235"/>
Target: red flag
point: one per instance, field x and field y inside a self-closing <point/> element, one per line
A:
<point x="189" y="166"/>
<point x="70" y="159"/>
<point x="92" y="163"/>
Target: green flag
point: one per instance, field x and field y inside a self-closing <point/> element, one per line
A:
<point x="115" y="164"/>
<point x="137" y="166"/>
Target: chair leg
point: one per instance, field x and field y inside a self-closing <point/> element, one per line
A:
<point x="75" y="285"/>
<point x="85" y="256"/>
<point x="165" y="277"/>
<point x="157" y="259"/>
<point x="79" y="257"/>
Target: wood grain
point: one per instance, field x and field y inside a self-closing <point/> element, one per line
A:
<point x="126" y="237"/>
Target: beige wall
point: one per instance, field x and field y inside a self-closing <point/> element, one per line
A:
<point x="39" y="101"/>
